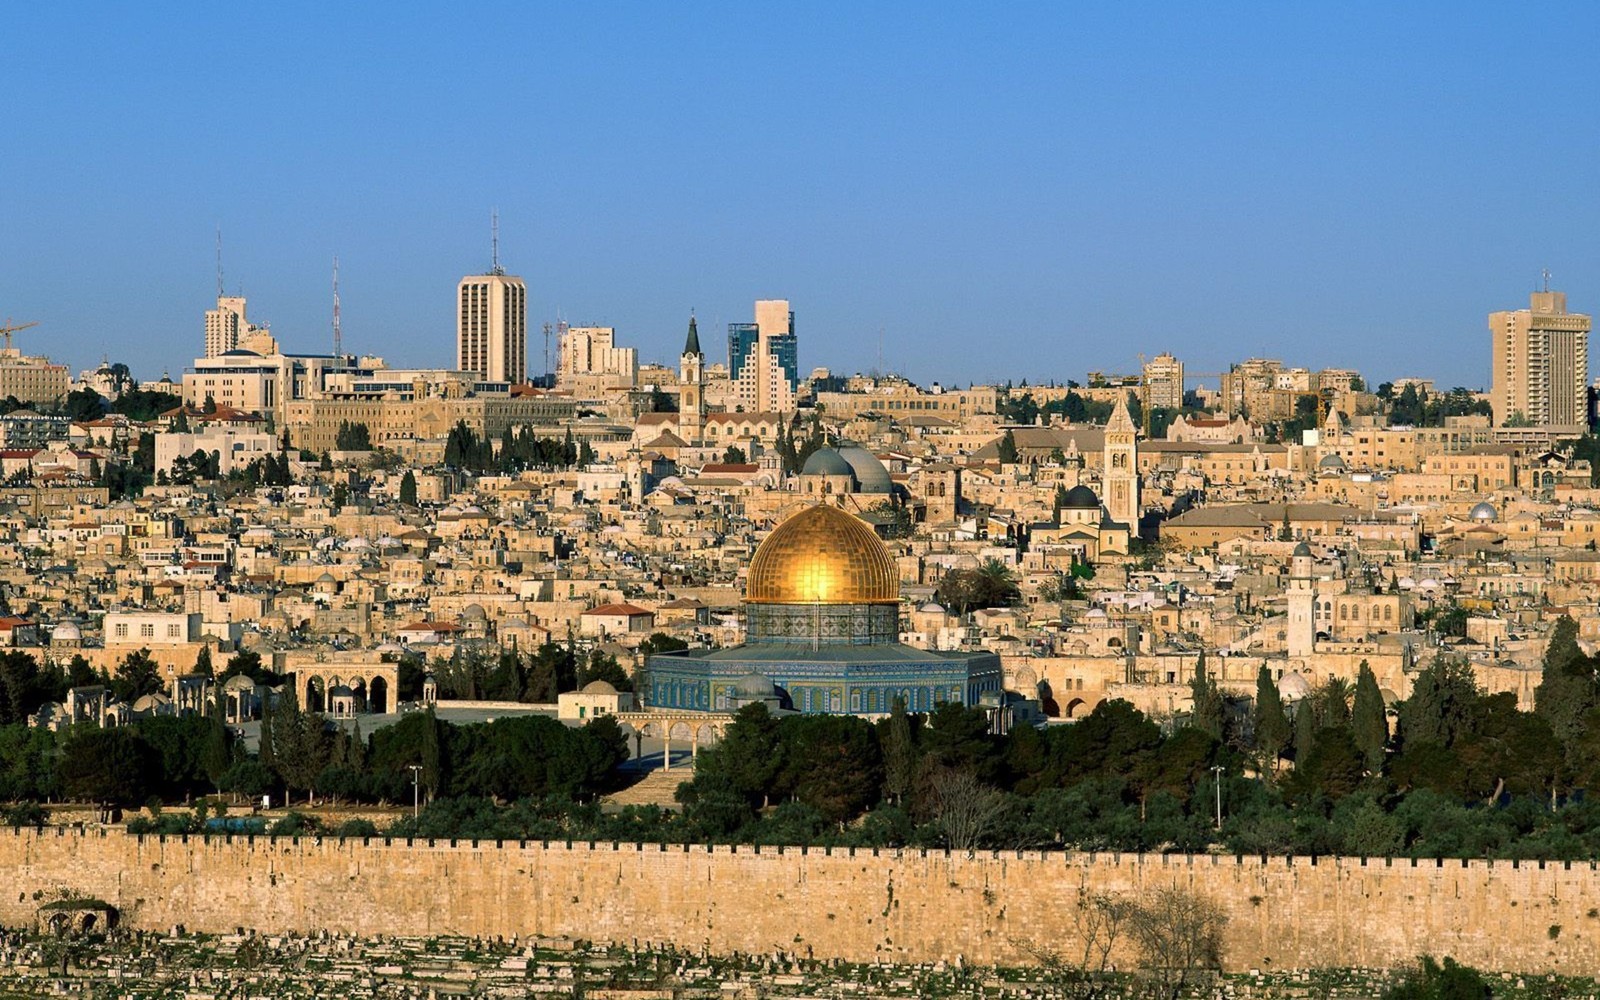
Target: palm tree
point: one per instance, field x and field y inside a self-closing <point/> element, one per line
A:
<point x="997" y="584"/>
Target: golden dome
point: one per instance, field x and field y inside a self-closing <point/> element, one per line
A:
<point x="822" y="555"/>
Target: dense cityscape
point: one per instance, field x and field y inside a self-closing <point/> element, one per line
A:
<point x="1275" y="611"/>
<point x="1046" y="502"/>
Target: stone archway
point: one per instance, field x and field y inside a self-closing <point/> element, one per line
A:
<point x="315" y="697"/>
<point x="372" y="684"/>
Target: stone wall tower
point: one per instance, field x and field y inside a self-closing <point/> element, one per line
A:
<point x="691" y="388"/>
<point x="1121" y="475"/>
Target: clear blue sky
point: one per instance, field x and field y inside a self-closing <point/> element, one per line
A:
<point x="1025" y="191"/>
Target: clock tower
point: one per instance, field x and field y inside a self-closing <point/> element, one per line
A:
<point x="691" y="388"/>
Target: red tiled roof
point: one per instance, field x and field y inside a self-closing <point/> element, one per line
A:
<point x="612" y="610"/>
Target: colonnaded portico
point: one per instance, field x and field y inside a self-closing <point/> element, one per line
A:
<point x="696" y="729"/>
<point x="346" y="689"/>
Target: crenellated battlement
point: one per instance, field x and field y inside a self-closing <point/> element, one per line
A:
<point x="857" y="904"/>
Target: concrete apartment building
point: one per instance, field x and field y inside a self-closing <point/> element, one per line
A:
<point x="1540" y="358"/>
<point x="591" y="353"/>
<point x="1163" y="381"/>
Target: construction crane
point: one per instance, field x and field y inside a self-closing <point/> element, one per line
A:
<point x="7" y="330"/>
<point x="1144" y="395"/>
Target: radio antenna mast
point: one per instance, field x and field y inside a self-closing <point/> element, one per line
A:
<point x="494" y="243"/>
<point x="338" y="337"/>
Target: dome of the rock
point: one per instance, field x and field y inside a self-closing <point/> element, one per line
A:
<point x="822" y="555"/>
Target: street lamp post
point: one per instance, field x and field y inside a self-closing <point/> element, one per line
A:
<point x="416" y="791"/>
<point x="1216" y="772"/>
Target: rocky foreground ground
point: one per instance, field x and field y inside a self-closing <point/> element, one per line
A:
<point x="241" y="966"/>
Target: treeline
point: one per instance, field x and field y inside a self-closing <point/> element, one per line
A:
<point x="505" y="760"/>
<point x="26" y="685"/>
<point x="1455" y="772"/>
<point x="535" y="678"/>
<point x="520" y="449"/>
<point x="303" y="755"/>
<point x="1420" y="408"/>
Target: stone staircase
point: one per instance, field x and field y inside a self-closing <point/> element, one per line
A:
<point x="656" y="788"/>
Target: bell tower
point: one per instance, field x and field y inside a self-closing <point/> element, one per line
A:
<point x="1121" y="475"/>
<point x="691" y="388"/>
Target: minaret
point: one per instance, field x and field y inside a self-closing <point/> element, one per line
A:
<point x="1302" y="630"/>
<point x="1121" y="475"/>
<point x="691" y="388"/>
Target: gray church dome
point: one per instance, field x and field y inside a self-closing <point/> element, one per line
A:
<point x="826" y="462"/>
<point x="1080" y="497"/>
<point x="1484" y="512"/>
<point x="871" y="476"/>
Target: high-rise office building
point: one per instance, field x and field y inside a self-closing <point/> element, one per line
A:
<point x="492" y="326"/>
<point x="1541" y="363"/>
<point x="763" y="359"/>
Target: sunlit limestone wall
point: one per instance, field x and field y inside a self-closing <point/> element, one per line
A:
<point x="893" y="906"/>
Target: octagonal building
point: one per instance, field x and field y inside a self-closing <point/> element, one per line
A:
<point x="822" y="623"/>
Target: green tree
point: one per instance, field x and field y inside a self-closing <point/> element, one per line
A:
<point x="1369" y="724"/>
<point x="1568" y="688"/>
<point x="109" y="767"/>
<point x="408" y="488"/>
<point x="1271" y="722"/>
<point x="137" y="675"/>
<point x="1008" y="448"/>
<point x="1209" y="714"/>
<point x="956" y="737"/>
<point x="745" y="762"/>
<point x="217" y="756"/>
<point x="299" y="742"/>
<point x="831" y="763"/>
<point x="734" y="455"/>
<point x="352" y="437"/>
<point x="1432" y="981"/>
<point x="431" y="755"/>
<point x="1440" y="707"/>
<point x="202" y="662"/>
<point x="899" y="753"/>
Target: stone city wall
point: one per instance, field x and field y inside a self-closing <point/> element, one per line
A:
<point x="903" y="906"/>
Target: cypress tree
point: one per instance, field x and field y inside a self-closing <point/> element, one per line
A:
<point x="1368" y="723"/>
<point x="1271" y="722"/>
<point x="216" y="756"/>
<point x="1305" y="731"/>
<point x="899" y="754"/>
<point x="1008" y="449"/>
<point x="432" y="754"/>
<point x="1208" y="707"/>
